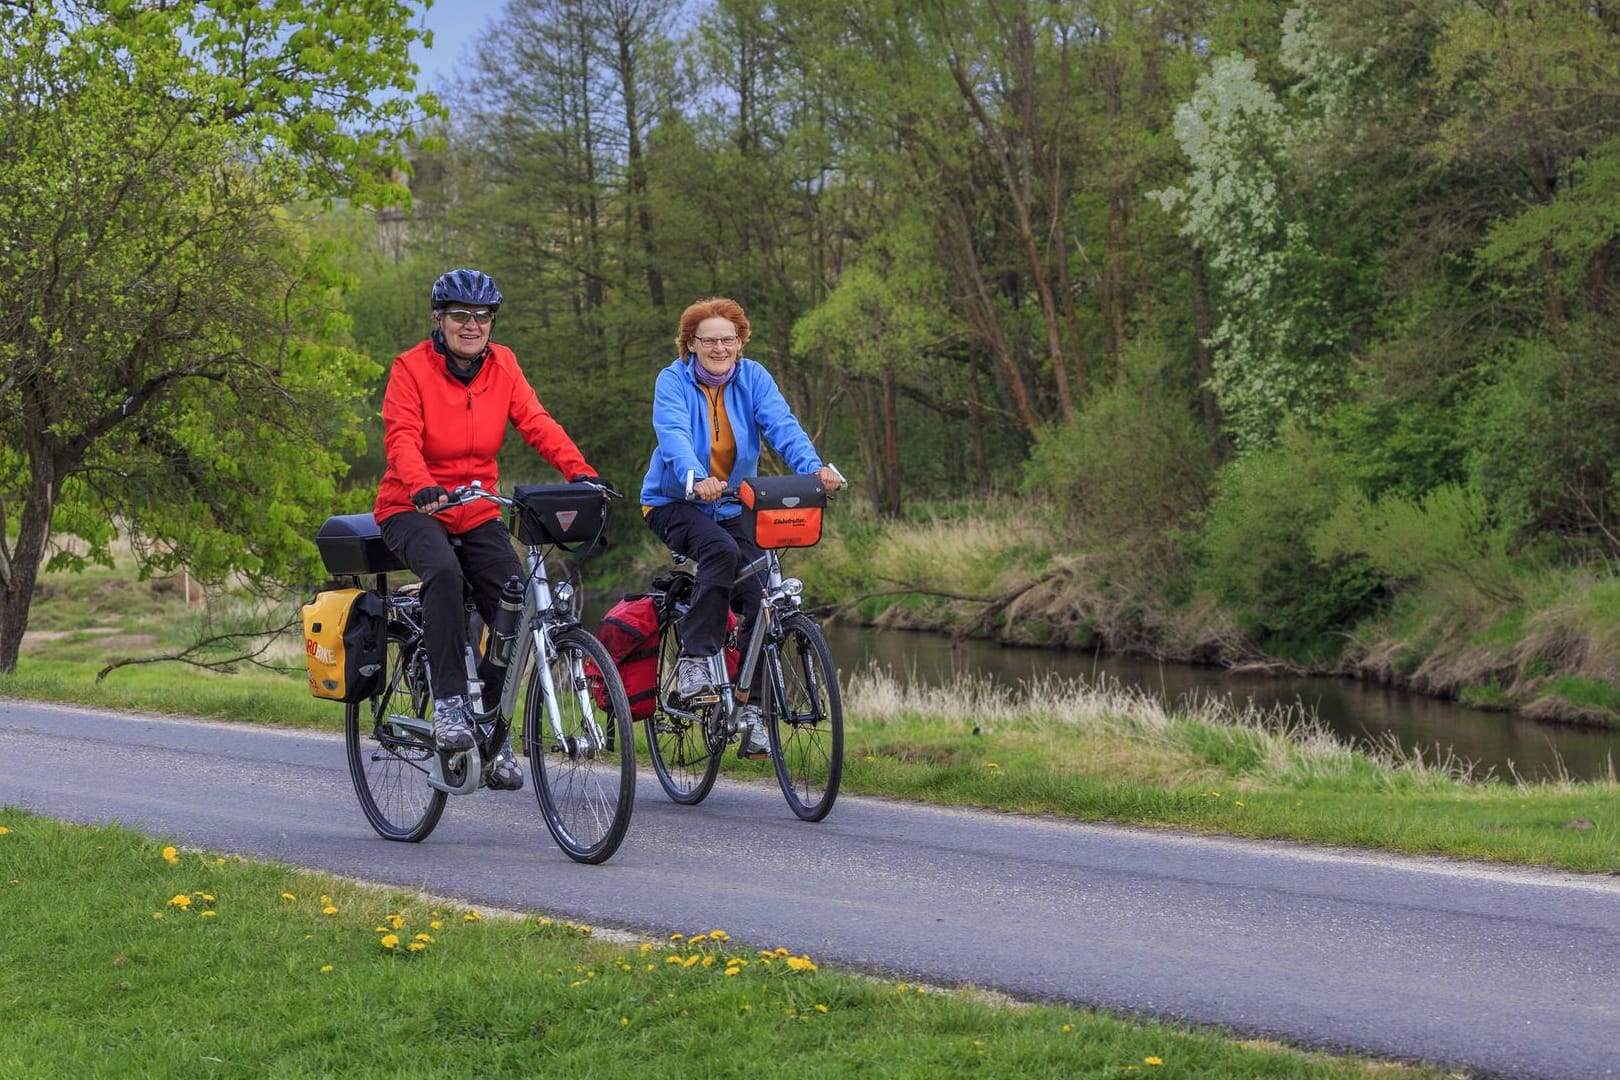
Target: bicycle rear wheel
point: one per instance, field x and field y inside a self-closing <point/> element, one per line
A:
<point x="585" y="780"/>
<point x="389" y="764"/>
<point x="684" y="756"/>
<point x="805" y="717"/>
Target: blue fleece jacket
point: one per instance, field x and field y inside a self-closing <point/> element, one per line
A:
<point x="681" y="421"/>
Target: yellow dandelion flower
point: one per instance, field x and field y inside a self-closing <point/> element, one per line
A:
<point x="209" y="914"/>
<point x="978" y="1042"/>
<point x="692" y="960"/>
<point x="677" y="937"/>
<point x="584" y="931"/>
<point x="288" y="896"/>
<point x="801" y="963"/>
<point x="730" y="971"/>
<point x="417" y="946"/>
<point x="325" y="968"/>
<point x="434" y="924"/>
<point x="181" y="901"/>
<point x="903" y="987"/>
<point x="626" y="967"/>
<point x="673" y="960"/>
<point x="695" y="938"/>
<point x="708" y="961"/>
<point x="396" y="921"/>
<point x="170" y="856"/>
<point x="1152" y="1061"/>
<point x="4" y="830"/>
<point x="1237" y="802"/>
<point x="991" y="765"/>
<point x="821" y="1008"/>
<point x="389" y="941"/>
<point x="325" y="899"/>
<point x="219" y="861"/>
<point x="747" y="1008"/>
<point x="719" y="935"/>
<point x="646" y="947"/>
<point x="206" y="896"/>
<point x="329" y="910"/>
<point x="425" y="937"/>
<point x="472" y="916"/>
<point x="157" y="915"/>
<point x="1066" y="1028"/>
<point x="624" y="1021"/>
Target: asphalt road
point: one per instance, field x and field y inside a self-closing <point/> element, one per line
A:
<point x="1500" y="972"/>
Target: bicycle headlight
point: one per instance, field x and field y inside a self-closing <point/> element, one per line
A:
<point x="562" y="600"/>
<point x="792" y="586"/>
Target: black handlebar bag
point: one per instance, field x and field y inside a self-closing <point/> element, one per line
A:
<point x="566" y="515"/>
<point x="782" y="511"/>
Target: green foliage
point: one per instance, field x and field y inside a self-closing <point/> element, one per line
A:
<point x="1546" y="433"/>
<point x="175" y="362"/>
<point x="1132" y="471"/>
<point x="1445" y="539"/>
<point x="1256" y="552"/>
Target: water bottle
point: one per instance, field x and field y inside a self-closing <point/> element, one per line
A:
<point x="503" y="632"/>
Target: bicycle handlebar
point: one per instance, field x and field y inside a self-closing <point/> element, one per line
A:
<point x="475" y="491"/>
<point x="731" y="489"/>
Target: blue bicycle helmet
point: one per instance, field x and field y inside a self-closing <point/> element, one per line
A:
<point x="466" y="287"/>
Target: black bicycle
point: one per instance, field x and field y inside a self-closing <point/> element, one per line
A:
<point x="576" y="728"/>
<point x="801" y="707"/>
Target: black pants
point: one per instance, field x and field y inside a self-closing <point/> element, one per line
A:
<point x="720" y="550"/>
<point x="480" y="559"/>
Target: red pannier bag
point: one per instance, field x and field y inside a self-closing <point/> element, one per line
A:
<point x="782" y="511"/>
<point x="629" y="631"/>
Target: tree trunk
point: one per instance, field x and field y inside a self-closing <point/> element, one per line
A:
<point x="1206" y="366"/>
<point x="891" y="448"/>
<point x="33" y="532"/>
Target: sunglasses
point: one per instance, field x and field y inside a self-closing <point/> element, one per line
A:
<point x="463" y="316"/>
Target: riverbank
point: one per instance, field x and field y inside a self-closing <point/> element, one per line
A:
<point x="1540" y="640"/>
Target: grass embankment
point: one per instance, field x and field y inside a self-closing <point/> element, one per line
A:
<point x="125" y="956"/>
<point x="1539" y="638"/>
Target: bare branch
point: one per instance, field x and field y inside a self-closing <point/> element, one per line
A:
<point x="253" y="644"/>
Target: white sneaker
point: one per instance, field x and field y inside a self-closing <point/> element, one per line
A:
<point x="451" y="728"/>
<point x="755" y="742"/>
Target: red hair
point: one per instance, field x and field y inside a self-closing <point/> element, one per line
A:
<point x="711" y="308"/>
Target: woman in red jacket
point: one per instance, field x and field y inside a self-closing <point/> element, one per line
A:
<point x="445" y="413"/>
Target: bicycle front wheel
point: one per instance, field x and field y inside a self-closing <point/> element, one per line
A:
<point x="388" y="763"/>
<point x="805" y="717"/>
<point x="685" y="755"/>
<point x="584" y="775"/>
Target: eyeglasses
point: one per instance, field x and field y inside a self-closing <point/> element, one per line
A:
<point x="711" y="342"/>
<point x="463" y="316"/>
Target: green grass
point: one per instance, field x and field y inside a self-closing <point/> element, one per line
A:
<point x="126" y="957"/>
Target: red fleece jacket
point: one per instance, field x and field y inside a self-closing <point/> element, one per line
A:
<point x="439" y="431"/>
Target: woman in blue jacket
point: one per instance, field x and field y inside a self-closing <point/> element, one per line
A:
<point x="713" y="409"/>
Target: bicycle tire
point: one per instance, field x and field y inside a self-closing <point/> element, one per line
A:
<point x="390" y="766"/>
<point x="586" y="798"/>
<point x="685" y="756"/>
<point x="804" y="715"/>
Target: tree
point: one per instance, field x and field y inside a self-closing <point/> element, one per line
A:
<point x="171" y="366"/>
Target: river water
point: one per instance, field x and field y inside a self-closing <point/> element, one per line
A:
<point x="1506" y="744"/>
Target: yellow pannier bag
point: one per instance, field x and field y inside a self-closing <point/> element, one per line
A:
<point x="345" y="634"/>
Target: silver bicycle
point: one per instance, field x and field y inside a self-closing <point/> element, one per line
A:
<point x="801" y="707"/>
<point x="575" y="720"/>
